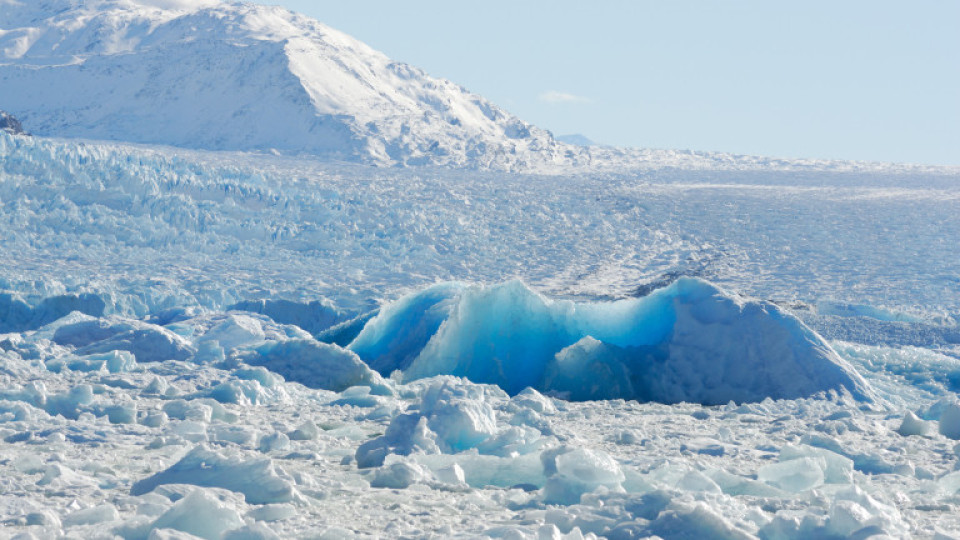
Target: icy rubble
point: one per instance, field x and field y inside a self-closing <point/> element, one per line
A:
<point x="190" y="459"/>
<point x="155" y="231"/>
<point x="191" y="339"/>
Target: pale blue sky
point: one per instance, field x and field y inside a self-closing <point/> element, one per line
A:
<point x="874" y="80"/>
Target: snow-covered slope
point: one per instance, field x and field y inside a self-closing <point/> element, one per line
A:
<point x="228" y="75"/>
<point x="231" y="75"/>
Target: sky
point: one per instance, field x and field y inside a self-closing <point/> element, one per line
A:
<point x="866" y="80"/>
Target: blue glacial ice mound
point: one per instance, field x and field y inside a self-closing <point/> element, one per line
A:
<point x="689" y="341"/>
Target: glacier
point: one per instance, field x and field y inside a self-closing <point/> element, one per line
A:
<point x="310" y="292"/>
<point x="253" y="344"/>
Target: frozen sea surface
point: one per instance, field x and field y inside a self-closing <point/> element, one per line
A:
<point x="242" y="346"/>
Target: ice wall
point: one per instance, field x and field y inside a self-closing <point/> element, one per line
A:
<point x="689" y="341"/>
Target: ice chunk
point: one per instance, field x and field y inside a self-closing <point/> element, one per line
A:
<point x="209" y="351"/>
<point x="453" y="415"/>
<point x="69" y="404"/>
<point x="683" y="521"/>
<point x="92" y="515"/>
<point x="531" y="399"/>
<point x="398" y="475"/>
<point x="847" y="517"/>
<point x="795" y="475"/>
<point x="170" y="534"/>
<point x="511" y="441"/>
<point x="949" y="483"/>
<point x="314" y="317"/>
<point x="234" y="331"/>
<point x="254" y="531"/>
<point x="460" y="414"/>
<point x="200" y="514"/>
<point x="406" y="434"/>
<point x="854" y="510"/>
<point x="188" y="410"/>
<point x="736" y="485"/>
<point x="573" y="472"/>
<point x="314" y="364"/>
<point x="16" y="315"/>
<point x="308" y="431"/>
<point x="274" y="442"/>
<point x="525" y="471"/>
<point x="124" y="413"/>
<point x="156" y="386"/>
<point x="149" y="343"/>
<point x="259" y="374"/>
<point x="256" y="479"/>
<point x="60" y="475"/>
<point x="113" y="361"/>
<point x="687" y="342"/>
<point x="80" y="332"/>
<point x="836" y="469"/>
<point x="237" y="392"/>
<point x="912" y="425"/>
<point x="44" y="518"/>
<point x="950" y="421"/>
<point x="273" y="512"/>
<point x="357" y="396"/>
<point x="242" y="435"/>
<point x="452" y="474"/>
<point x="699" y="482"/>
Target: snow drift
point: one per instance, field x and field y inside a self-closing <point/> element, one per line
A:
<point x="688" y="342"/>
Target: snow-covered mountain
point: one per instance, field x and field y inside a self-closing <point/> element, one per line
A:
<point x="225" y="75"/>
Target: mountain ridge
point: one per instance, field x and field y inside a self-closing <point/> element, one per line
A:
<point x="228" y="75"/>
<point x="240" y="76"/>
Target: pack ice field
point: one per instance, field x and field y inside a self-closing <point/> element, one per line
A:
<point x="227" y="345"/>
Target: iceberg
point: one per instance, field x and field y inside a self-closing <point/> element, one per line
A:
<point x="688" y="342"/>
<point x="256" y="479"/>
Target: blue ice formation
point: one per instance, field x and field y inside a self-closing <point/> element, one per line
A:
<point x="689" y="341"/>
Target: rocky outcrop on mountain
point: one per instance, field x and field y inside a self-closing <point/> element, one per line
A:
<point x="10" y="124"/>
